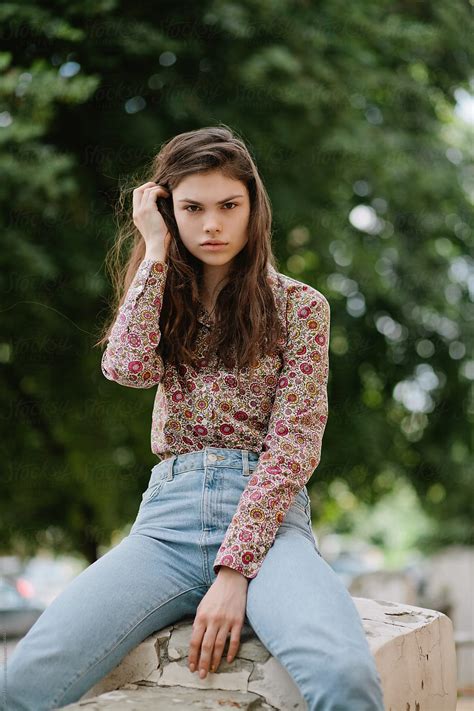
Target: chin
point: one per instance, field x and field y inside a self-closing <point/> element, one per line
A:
<point x="216" y="259"/>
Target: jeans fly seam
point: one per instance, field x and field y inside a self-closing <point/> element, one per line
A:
<point x="202" y="545"/>
<point x="139" y="622"/>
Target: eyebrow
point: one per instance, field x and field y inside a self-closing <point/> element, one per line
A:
<point x="221" y="202"/>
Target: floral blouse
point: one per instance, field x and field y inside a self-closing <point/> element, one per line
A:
<point x="279" y="408"/>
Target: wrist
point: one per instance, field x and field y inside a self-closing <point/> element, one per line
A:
<point x="226" y="572"/>
<point x="156" y="256"/>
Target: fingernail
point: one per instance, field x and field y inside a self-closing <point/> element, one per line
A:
<point x="192" y="666"/>
<point x="202" y="673"/>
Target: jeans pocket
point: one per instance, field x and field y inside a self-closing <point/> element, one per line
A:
<point x="155" y="485"/>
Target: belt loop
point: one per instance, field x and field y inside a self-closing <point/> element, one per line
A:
<point x="245" y="462"/>
<point x="171" y="461"/>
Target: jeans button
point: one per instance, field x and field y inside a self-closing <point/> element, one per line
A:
<point x="212" y="457"/>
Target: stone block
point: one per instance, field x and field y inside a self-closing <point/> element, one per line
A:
<point x="413" y="648"/>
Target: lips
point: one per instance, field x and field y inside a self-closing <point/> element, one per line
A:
<point x="213" y="241"/>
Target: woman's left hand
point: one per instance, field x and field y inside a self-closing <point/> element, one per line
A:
<point x="222" y="609"/>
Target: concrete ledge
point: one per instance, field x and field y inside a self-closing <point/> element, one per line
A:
<point x="413" y="649"/>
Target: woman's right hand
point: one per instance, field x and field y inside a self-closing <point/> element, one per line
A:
<point x="149" y="220"/>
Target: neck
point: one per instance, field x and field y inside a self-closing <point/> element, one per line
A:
<point x="213" y="279"/>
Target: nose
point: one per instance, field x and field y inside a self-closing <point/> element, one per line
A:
<point x="212" y="230"/>
<point x="212" y="224"/>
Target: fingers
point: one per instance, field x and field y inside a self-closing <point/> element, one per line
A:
<point x="206" y="651"/>
<point x="208" y="637"/>
<point x="234" y="642"/>
<point x="144" y="191"/>
<point x="195" y="644"/>
<point x="138" y="194"/>
<point x="207" y="645"/>
<point x="218" y="648"/>
<point x="151" y="193"/>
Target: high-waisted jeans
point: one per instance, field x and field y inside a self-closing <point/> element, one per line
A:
<point x="297" y="605"/>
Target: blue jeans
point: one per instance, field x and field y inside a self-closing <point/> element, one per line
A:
<point x="297" y="605"/>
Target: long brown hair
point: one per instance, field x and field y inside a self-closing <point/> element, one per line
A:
<point x="246" y="317"/>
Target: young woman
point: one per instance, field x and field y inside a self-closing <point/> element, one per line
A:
<point x="238" y="353"/>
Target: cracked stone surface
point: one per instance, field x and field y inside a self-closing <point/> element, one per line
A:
<point x="149" y="699"/>
<point x="413" y="649"/>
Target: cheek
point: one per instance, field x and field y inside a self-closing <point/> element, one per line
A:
<point x="178" y="216"/>
<point x="243" y="226"/>
<point x="184" y="227"/>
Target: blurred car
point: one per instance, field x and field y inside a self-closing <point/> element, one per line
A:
<point x="18" y="610"/>
<point x="49" y="575"/>
<point x="42" y="576"/>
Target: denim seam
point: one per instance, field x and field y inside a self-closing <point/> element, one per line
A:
<point x="139" y="622"/>
<point x="202" y="545"/>
<point x="205" y="558"/>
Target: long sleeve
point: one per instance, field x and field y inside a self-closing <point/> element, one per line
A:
<point x="130" y="358"/>
<point x="292" y="446"/>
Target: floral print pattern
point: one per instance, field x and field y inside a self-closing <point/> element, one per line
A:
<point x="279" y="408"/>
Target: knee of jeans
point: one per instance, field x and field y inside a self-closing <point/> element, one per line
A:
<point x="22" y="688"/>
<point x="356" y="670"/>
<point x="14" y="695"/>
<point x="352" y="679"/>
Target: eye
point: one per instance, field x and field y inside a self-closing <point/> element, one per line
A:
<point x="198" y="208"/>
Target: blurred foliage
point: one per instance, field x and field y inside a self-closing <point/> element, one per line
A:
<point x="349" y="112"/>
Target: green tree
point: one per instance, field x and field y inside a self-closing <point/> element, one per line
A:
<point x="348" y="110"/>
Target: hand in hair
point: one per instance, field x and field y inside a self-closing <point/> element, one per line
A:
<point x="149" y="220"/>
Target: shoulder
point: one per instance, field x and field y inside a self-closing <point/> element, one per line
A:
<point x="298" y="295"/>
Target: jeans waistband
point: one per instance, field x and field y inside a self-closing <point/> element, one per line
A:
<point x="210" y="456"/>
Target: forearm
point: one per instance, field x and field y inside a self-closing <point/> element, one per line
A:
<point x="130" y="357"/>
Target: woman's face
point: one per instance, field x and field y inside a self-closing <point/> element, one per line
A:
<point x="211" y="206"/>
